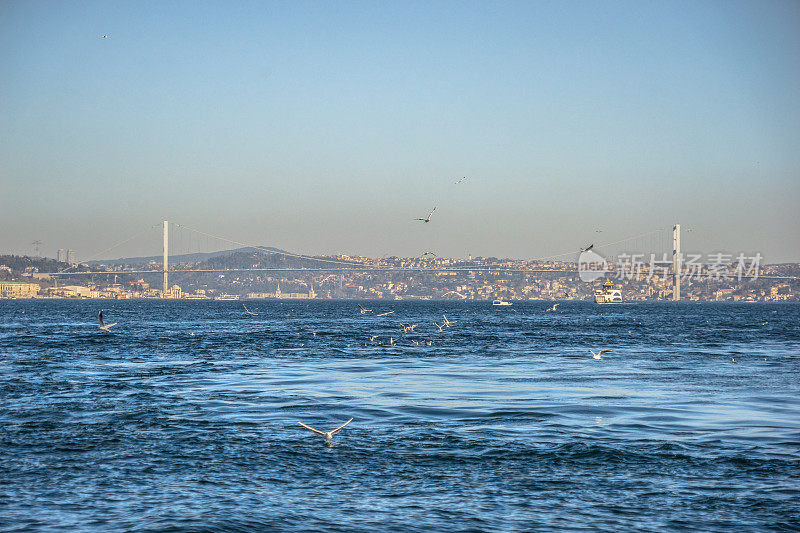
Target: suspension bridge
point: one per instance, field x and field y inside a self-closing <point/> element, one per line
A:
<point x="662" y="243"/>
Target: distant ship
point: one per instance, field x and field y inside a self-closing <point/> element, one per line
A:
<point x="227" y="297"/>
<point x="608" y="295"/>
<point x="500" y="302"/>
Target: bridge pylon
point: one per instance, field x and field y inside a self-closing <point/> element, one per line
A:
<point x="166" y="257"/>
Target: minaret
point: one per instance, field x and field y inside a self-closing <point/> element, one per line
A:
<point x="676" y="262"/>
<point x="166" y="257"/>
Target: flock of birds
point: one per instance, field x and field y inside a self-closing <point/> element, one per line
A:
<point x="373" y="340"/>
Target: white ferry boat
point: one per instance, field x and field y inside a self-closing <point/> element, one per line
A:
<point x="500" y="302"/>
<point x="227" y="297"/>
<point x="608" y="294"/>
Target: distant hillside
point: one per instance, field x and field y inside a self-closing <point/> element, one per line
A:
<point x="183" y="258"/>
<point x="19" y="263"/>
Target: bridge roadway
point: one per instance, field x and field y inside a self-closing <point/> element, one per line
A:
<point x="384" y="269"/>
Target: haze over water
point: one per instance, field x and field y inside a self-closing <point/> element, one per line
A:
<point x="185" y="417"/>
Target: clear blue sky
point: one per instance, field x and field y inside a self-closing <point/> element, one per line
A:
<point x="325" y="127"/>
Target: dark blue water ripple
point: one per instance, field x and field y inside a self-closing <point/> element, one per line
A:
<point x="185" y="418"/>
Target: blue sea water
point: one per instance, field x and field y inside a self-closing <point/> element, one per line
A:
<point x="184" y="417"/>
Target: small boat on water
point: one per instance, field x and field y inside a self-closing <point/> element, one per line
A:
<point x="608" y="294"/>
<point x="500" y="302"/>
<point x="227" y="297"/>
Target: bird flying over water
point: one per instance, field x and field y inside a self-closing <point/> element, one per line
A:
<point x="386" y="313"/>
<point x="554" y="307"/>
<point x="363" y="310"/>
<point x="598" y="355"/>
<point x="440" y="326"/>
<point x="103" y="325"/>
<point x="248" y="312"/>
<point x="428" y="218"/>
<point x="326" y="434"/>
<point x="446" y="322"/>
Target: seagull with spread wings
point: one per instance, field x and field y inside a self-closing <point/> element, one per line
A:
<point x="428" y="218"/>
<point x="326" y="434"/>
<point x="598" y="355"/>
<point x="105" y="327"/>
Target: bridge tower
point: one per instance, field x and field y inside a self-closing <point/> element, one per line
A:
<point x="166" y="257"/>
<point x="676" y="262"/>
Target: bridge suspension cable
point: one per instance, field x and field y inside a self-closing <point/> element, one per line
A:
<point x="645" y="234"/>
<point x="120" y="243"/>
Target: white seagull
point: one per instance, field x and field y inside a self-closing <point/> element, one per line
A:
<point x="326" y="434"/>
<point x="462" y="179"/>
<point x="428" y="218"/>
<point x="363" y="310"/>
<point x="587" y="248"/>
<point x="440" y="326"/>
<point x="554" y="307"/>
<point x="103" y="325"/>
<point x="408" y="327"/>
<point x="386" y="313"/>
<point x="598" y="355"/>
<point x="446" y="322"/>
<point x="104" y="36"/>
<point x="248" y="312"/>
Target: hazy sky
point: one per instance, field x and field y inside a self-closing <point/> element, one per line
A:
<point x="323" y="127"/>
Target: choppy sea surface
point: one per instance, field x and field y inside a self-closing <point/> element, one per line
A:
<point x="185" y="417"/>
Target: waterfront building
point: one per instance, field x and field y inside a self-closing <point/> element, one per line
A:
<point x="18" y="289"/>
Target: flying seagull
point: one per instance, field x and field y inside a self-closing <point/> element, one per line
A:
<point x="598" y="355"/>
<point x="363" y="310"/>
<point x="103" y="325"/>
<point x="447" y="322"/>
<point x="248" y="312"/>
<point x="105" y="36"/>
<point x="554" y="307"/>
<point x="386" y="313"/>
<point x="427" y="253"/>
<point x="462" y="179"/>
<point x="428" y="218"/>
<point x="440" y="326"/>
<point x="326" y="434"/>
<point x="587" y="248"/>
<point x="408" y="327"/>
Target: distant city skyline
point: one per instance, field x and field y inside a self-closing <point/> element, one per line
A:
<point x="328" y="128"/>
